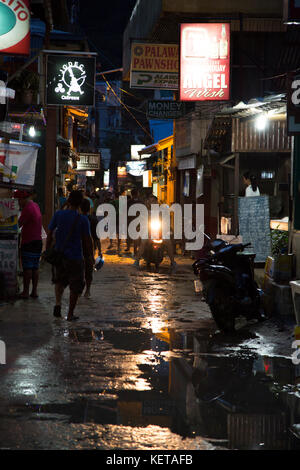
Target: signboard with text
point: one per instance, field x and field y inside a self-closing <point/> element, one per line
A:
<point x="88" y="162"/>
<point x="205" y="62"/>
<point x="154" y="66"/>
<point x="70" y="80"/>
<point x="165" y="109"/>
<point x="8" y="265"/>
<point x="15" y="27"/>
<point x="18" y="162"/>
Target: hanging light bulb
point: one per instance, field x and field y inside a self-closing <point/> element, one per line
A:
<point x="31" y="131"/>
<point x="261" y="122"/>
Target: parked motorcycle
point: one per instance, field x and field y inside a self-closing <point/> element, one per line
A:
<point x="226" y="280"/>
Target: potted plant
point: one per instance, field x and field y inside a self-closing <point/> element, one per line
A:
<point x="283" y="262"/>
<point x="27" y="85"/>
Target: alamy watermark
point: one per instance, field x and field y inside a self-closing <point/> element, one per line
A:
<point x="188" y="222"/>
<point x="296" y="354"/>
<point x="2" y="352"/>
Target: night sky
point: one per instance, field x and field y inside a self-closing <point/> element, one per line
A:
<point x="104" y="22"/>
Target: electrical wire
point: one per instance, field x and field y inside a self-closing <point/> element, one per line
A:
<point x="127" y="109"/>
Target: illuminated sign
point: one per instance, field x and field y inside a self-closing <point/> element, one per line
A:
<point x="15" y="27"/>
<point x="154" y="66"/>
<point x="106" y="179"/>
<point x="70" y="80"/>
<point x="147" y="179"/>
<point x="122" y="173"/>
<point x="135" y="152"/>
<point x="205" y="62"/>
<point x="89" y="161"/>
<point x="136" y="168"/>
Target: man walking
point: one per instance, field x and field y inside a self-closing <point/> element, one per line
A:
<point x="72" y="236"/>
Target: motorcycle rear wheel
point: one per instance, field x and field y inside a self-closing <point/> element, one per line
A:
<point x="222" y="309"/>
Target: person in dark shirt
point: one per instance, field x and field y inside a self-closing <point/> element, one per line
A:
<point x="71" y="270"/>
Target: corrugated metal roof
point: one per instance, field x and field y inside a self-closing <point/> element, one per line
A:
<point x="276" y="103"/>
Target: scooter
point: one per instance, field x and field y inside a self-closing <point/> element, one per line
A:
<point x="154" y="249"/>
<point x="226" y="281"/>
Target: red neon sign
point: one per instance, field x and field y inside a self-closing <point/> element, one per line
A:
<point x="205" y="62"/>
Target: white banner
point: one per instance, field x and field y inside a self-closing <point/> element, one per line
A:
<point x="18" y="162"/>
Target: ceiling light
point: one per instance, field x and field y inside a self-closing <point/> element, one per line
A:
<point x="261" y="122"/>
<point x="31" y="131"/>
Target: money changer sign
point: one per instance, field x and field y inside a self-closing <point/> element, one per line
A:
<point x="14" y="27"/>
<point x="70" y="80"/>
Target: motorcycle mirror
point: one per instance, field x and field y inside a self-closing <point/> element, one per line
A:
<point x="206" y="235"/>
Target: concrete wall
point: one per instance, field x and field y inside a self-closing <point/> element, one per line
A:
<point x="143" y="19"/>
<point x="147" y="13"/>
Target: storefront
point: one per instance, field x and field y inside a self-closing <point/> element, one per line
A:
<point x="17" y="171"/>
<point x="163" y="170"/>
<point x="87" y="166"/>
<point x="251" y="138"/>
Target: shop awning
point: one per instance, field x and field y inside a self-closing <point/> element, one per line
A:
<point x="234" y="129"/>
<point x="149" y="149"/>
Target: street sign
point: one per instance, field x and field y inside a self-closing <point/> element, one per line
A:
<point x="70" y="80"/>
<point x="165" y="109"/>
<point x="15" y="27"/>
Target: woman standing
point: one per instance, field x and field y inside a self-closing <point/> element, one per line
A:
<point x="251" y="183"/>
<point x="31" y="242"/>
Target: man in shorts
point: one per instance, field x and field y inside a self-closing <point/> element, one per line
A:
<point x="72" y="236"/>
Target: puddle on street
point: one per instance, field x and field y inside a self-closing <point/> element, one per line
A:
<point x="189" y="384"/>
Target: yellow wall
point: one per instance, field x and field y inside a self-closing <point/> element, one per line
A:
<point x="168" y="195"/>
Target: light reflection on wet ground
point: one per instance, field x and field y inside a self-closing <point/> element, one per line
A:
<point x="145" y="370"/>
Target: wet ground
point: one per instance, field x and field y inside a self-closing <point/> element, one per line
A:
<point x="144" y="368"/>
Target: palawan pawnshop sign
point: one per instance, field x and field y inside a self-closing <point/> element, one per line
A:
<point x="154" y="66"/>
<point x="163" y="109"/>
<point x="14" y="27"/>
<point x="70" y="80"/>
<point x="205" y="62"/>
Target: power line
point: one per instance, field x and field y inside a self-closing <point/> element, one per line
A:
<point x="127" y="109"/>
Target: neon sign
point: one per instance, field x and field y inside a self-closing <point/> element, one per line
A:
<point x="70" y="80"/>
<point x="205" y="62"/>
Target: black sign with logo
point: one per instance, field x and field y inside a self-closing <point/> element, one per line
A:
<point x="163" y="109"/>
<point x="70" y="80"/>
